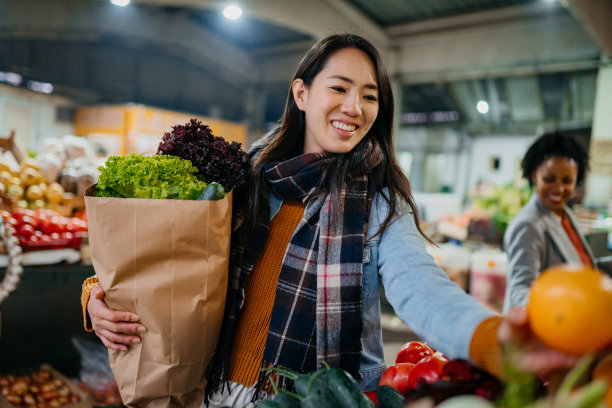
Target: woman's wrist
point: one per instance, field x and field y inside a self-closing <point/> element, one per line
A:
<point x="88" y="286"/>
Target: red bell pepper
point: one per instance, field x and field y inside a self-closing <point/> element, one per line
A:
<point x="413" y="352"/>
<point x="397" y="376"/>
<point x="428" y="370"/>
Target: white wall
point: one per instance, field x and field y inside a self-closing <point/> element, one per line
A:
<point x="509" y="149"/>
<point x="599" y="179"/>
<point x="32" y="115"/>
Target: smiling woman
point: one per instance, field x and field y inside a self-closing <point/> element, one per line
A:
<point x="545" y="233"/>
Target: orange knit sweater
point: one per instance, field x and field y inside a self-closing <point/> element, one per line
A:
<point x="259" y="292"/>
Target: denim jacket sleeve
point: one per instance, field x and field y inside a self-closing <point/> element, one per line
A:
<point x="421" y="294"/>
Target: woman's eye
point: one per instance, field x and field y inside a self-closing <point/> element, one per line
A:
<point x="371" y="98"/>
<point x="337" y="88"/>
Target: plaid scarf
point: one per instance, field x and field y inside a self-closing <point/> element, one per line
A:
<point x="317" y="308"/>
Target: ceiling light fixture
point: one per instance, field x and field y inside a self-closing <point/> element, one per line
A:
<point x="43" y="87"/>
<point x="482" y="107"/>
<point x="121" y="3"/>
<point x="232" y="12"/>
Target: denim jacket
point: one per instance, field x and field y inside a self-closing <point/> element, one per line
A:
<point x="421" y="294"/>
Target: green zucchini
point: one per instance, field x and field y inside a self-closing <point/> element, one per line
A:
<point x="213" y="191"/>
<point x="305" y="382"/>
<point x="389" y="397"/>
<point x="319" y="397"/>
<point x="346" y="390"/>
<point x="286" y="400"/>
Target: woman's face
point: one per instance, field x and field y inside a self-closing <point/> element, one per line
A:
<point x="341" y="103"/>
<point x="555" y="181"/>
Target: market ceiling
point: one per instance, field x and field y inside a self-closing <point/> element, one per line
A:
<point x="94" y="52"/>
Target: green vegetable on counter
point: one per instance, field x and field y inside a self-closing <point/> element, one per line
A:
<point x="389" y="397"/>
<point x="140" y="176"/>
<point x="323" y="388"/>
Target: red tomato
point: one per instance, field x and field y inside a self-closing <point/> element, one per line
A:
<point x="42" y="214"/>
<point x="19" y="213"/>
<point x="30" y="220"/>
<point x="71" y="227"/>
<point x="54" y="224"/>
<point x="81" y="225"/>
<point x="413" y="352"/>
<point x="54" y="236"/>
<point x="32" y="239"/>
<point x="11" y="222"/>
<point x="44" y="238"/>
<point x="397" y="376"/>
<point x="428" y="369"/>
<point x="25" y="230"/>
<point x="67" y="235"/>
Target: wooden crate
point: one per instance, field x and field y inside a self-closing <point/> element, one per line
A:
<point x="85" y="399"/>
<point x="8" y="144"/>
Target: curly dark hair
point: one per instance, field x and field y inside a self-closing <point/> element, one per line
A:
<point x="555" y="144"/>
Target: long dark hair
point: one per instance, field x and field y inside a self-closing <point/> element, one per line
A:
<point x="375" y="151"/>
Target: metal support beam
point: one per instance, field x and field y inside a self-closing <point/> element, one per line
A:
<point x="595" y="17"/>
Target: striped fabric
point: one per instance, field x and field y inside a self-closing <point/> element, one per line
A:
<point x="317" y="307"/>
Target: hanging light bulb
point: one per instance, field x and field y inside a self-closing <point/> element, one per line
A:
<point x="482" y="107"/>
<point x="232" y="12"/>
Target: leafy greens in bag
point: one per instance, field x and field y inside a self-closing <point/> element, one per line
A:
<point x="216" y="159"/>
<point x="140" y="176"/>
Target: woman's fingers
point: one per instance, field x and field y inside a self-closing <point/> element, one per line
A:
<point x="103" y="312"/>
<point x="115" y="328"/>
<point x="514" y="328"/>
<point x="98" y="310"/>
<point x="545" y="360"/>
<point x="531" y="355"/>
<point x="117" y="337"/>
<point x="109" y="344"/>
<point x="97" y="292"/>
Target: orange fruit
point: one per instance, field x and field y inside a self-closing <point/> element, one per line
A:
<point x="570" y="309"/>
<point x="603" y="370"/>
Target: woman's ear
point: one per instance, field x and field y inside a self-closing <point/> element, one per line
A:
<point x="299" y="92"/>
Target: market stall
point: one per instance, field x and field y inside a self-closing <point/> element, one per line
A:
<point x="44" y="259"/>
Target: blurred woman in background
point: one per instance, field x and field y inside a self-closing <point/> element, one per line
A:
<point x="545" y="232"/>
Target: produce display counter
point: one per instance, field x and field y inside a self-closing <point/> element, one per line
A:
<point x="38" y="319"/>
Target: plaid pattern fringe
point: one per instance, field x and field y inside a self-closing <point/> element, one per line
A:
<point x="317" y="308"/>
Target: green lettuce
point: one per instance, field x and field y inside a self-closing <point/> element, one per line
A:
<point x="140" y="176"/>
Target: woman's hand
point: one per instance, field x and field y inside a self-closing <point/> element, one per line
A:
<point x="530" y="354"/>
<point x="115" y="329"/>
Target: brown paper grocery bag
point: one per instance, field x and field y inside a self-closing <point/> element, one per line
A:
<point x="167" y="261"/>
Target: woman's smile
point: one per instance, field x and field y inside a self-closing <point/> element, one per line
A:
<point x="344" y="129"/>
